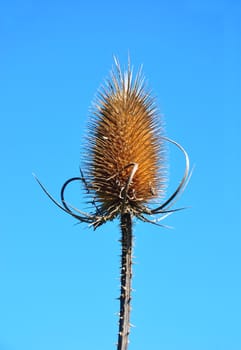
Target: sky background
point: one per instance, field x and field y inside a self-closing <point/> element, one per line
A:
<point x="59" y="280"/>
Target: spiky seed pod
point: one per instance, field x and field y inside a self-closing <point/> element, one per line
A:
<point x="125" y="151"/>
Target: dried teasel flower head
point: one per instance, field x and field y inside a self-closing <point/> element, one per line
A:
<point x="124" y="156"/>
<point x="125" y="163"/>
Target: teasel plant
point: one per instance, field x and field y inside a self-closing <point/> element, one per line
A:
<point x="124" y="170"/>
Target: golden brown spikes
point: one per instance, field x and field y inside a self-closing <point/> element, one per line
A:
<point x="125" y="149"/>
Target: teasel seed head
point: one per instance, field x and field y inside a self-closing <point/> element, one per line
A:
<point x="124" y="163"/>
<point x="124" y="159"/>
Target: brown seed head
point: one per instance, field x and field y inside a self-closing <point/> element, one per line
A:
<point x="125" y="164"/>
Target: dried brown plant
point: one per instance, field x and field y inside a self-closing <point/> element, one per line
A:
<point x="124" y="169"/>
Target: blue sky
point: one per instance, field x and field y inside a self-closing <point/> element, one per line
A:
<point x="59" y="280"/>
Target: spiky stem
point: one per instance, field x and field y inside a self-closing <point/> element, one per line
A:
<point x="126" y="275"/>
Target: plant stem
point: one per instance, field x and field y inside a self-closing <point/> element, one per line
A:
<point x="126" y="275"/>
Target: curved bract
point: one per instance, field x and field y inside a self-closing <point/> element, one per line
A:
<point x="97" y="218"/>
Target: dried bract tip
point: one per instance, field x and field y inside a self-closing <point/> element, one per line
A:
<point x="124" y="167"/>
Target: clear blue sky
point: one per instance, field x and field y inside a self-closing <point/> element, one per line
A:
<point x="59" y="280"/>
